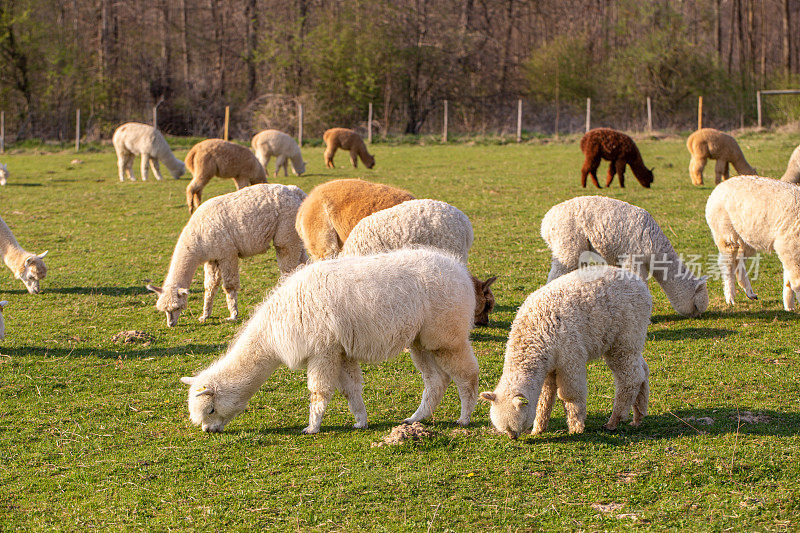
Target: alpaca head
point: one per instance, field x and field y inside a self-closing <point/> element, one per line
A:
<point x="484" y="300"/>
<point x="210" y="406"/>
<point x="33" y="270"/>
<point x="179" y="171"/>
<point x="2" y="324"/>
<point x="691" y="297"/>
<point x="511" y="412"/>
<point x="171" y="301"/>
<point x="3" y="174"/>
<point x="646" y="179"/>
<point x="298" y="167"/>
<point x="369" y="160"/>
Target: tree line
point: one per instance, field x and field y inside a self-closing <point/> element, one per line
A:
<point x="116" y="59"/>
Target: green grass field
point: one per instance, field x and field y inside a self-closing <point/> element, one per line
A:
<point x="95" y="434"/>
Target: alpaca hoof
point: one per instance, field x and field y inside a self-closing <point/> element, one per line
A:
<point x="203" y="318"/>
<point x="463" y="422"/>
<point x="309" y="431"/>
<point x="232" y="318"/>
<point x="360" y="425"/>
<point x="576" y="430"/>
<point x="635" y="423"/>
<point x="753" y="297"/>
<point x="410" y="420"/>
<point x="609" y="426"/>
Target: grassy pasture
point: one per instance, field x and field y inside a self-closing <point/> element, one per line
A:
<point x="95" y="434"/>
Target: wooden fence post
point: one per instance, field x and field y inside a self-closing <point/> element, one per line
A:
<point x="588" y="114"/>
<point x="519" y="120"/>
<point x="444" y="129"/>
<point x="299" y="124"/>
<point x="649" y="116"/>
<point x="700" y="113"/>
<point x="227" y="120"/>
<point x="369" y="124"/>
<point x="77" y="129"/>
<point x="155" y="116"/>
<point x="758" y="107"/>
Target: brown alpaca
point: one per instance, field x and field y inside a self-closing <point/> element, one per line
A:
<point x="620" y="150"/>
<point x="345" y="139"/>
<point x="215" y="157"/>
<point x="332" y="209"/>
<point x="708" y="143"/>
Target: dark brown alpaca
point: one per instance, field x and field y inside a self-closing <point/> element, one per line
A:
<point x="614" y="146"/>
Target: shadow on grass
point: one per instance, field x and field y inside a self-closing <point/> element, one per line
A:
<point x="13" y="184"/>
<point x="126" y="351"/>
<point x="689" y="333"/>
<point x="103" y="291"/>
<point x="675" y="424"/>
<point x="764" y="314"/>
<point x="326" y="429"/>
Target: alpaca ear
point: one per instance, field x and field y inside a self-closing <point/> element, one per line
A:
<point x="41" y="255"/>
<point x="187" y="380"/>
<point x="519" y="400"/>
<point x="205" y="391"/>
<point x="488" y="396"/>
<point x="28" y="261"/>
<point x="701" y="285"/>
<point x="183" y="292"/>
<point x="153" y="288"/>
<point x="488" y="282"/>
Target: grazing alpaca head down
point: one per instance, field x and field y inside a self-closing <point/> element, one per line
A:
<point x="33" y="270"/>
<point x="212" y="409"/>
<point x="484" y="300"/>
<point x="511" y="413"/>
<point x="171" y="301"/>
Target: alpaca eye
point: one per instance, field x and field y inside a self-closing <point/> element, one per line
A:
<point x="211" y="412"/>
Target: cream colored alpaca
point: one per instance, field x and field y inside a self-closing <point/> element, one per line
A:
<point x="270" y="143"/>
<point x="597" y="311"/>
<point x="223" y="230"/>
<point x="749" y="214"/>
<point x="132" y="139"/>
<point x="332" y="315"/>
<point x="215" y="157"/>
<point x="332" y="209"/>
<point x="708" y="143"/>
<point x="792" y="174"/>
<point x="27" y="267"/>
<point x="3" y="174"/>
<point x="345" y="139"/>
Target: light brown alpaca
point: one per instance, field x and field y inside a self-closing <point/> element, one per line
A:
<point x="708" y="143"/>
<point x="215" y="157"/>
<point x="332" y="209"/>
<point x="345" y="139"/>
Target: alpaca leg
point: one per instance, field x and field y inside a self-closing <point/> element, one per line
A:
<point x="434" y="379"/>
<point x="354" y="158"/>
<point x="289" y="257"/>
<point x="229" y="270"/>
<point x="629" y="375"/>
<point x="462" y="367"/>
<point x="154" y="165"/>
<point x="741" y="271"/>
<point x="280" y="161"/>
<point x="728" y="248"/>
<point x="696" y="166"/>
<point x="643" y="398"/>
<point x="572" y="390"/>
<point x="612" y="167"/>
<point x="329" y="153"/>
<point x="194" y="191"/>
<point x="263" y="159"/>
<point x="351" y="383"/>
<point x="241" y="183"/>
<point x="145" y="161"/>
<point x="210" y="285"/>
<point x="545" y="406"/>
<point x="620" y="168"/>
<point x="590" y="166"/>
<point x="129" y="167"/>
<point x="122" y="164"/>
<point x="323" y="371"/>
<point x="720" y="171"/>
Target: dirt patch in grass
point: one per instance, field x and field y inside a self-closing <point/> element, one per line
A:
<point x="405" y="432"/>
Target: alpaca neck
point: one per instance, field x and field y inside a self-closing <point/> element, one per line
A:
<point x="182" y="267"/>
<point x="13" y="254"/>
<point x="173" y="163"/>
<point x="638" y="168"/>
<point x="248" y="363"/>
<point x="668" y="269"/>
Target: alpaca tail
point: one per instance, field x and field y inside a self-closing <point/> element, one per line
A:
<point x="189" y="161"/>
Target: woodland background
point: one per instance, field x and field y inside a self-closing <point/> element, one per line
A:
<point x="116" y="59"/>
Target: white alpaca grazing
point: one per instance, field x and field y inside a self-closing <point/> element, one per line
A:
<point x="3" y="304"/>
<point x="792" y="174"/>
<point x="332" y="315"/>
<point x="748" y="214"/>
<point x="26" y="266"/>
<point x="597" y="311"/>
<point x="623" y="235"/>
<point x="3" y="174"/>
<point x="270" y="143"/>
<point x="222" y="230"/>
<point x="132" y="139"/>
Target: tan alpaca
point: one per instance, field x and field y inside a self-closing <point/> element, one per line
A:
<point x="215" y="157"/>
<point x="332" y="209"/>
<point x="345" y="139"/>
<point x="708" y="143"/>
